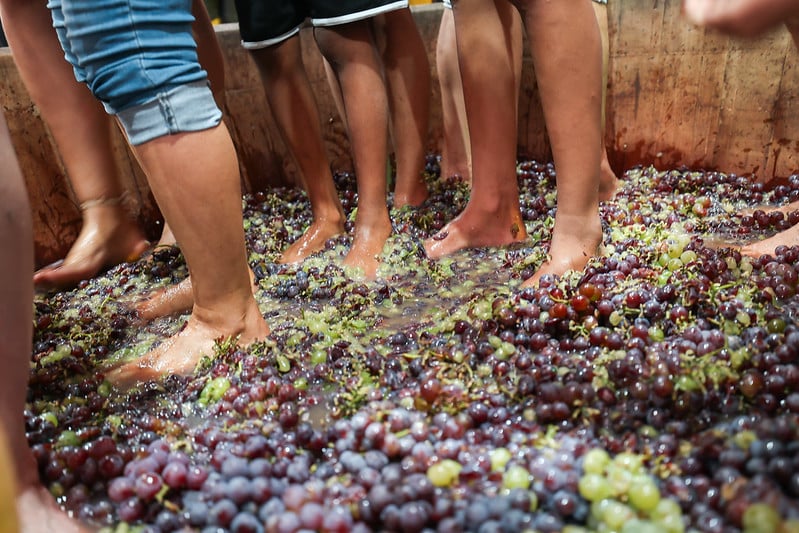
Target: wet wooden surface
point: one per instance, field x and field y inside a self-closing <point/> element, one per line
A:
<point x="680" y="95"/>
<point x="677" y="96"/>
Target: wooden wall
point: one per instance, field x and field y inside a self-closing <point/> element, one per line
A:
<point x="677" y="96"/>
<point x="680" y="95"/>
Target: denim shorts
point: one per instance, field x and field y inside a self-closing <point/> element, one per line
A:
<point x="139" y="58"/>
<point x="265" y="23"/>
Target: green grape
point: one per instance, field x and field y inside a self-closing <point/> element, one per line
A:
<point x="499" y="458"/>
<point x="637" y="525"/>
<point x="644" y="494"/>
<point x="629" y="461"/>
<point x="675" y="250"/>
<point x="656" y="333"/>
<point x="444" y="473"/>
<point x="214" y="390"/>
<point x="664" y="508"/>
<point x="668" y="515"/>
<point x="318" y="357"/>
<point x="671" y="523"/>
<point x="533" y="501"/>
<point x="619" y="479"/>
<point x="517" y="477"/>
<point x="760" y="518"/>
<point x="617" y="514"/>
<point x="595" y="460"/>
<point x="688" y="256"/>
<point x="598" y="508"/>
<point x="674" y="264"/>
<point x="790" y="526"/>
<point x="594" y="487"/>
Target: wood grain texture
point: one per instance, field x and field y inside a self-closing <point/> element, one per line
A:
<point x="684" y="96"/>
<point x="677" y="96"/>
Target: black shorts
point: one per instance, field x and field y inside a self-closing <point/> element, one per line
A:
<point x="264" y="23"/>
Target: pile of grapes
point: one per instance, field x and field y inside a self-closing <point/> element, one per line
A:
<point x="656" y="391"/>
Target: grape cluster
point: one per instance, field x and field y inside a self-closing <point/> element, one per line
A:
<point x="654" y="391"/>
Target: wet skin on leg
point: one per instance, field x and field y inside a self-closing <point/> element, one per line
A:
<point x="352" y="54"/>
<point x="492" y="216"/>
<point x="37" y="511"/>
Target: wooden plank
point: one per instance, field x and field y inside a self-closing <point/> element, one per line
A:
<point x="684" y="96"/>
<point x="677" y="95"/>
<point x="783" y="155"/>
<point x="662" y="87"/>
<point x="56" y="219"/>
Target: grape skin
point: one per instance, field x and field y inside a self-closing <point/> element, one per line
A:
<point x="627" y="360"/>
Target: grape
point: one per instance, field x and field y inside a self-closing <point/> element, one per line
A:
<point x="616" y="514"/>
<point x="444" y="473"/>
<point x="175" y="474"/>
<point x="644" y="494"/>
<point x="121" y="488"/>
<point x="222" y="513"/>
<point x="657" y="384"/>
<point x="516" y="477"/>
<point x="246" y="523"/>
<point x="147" y="486"/>
<point x="595" y="487"/>
<point x="595" y="461"/>
<point x="760" y="517"/>
<point x="499" y="458"/>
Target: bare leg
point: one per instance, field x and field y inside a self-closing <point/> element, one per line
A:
<point x="292" y="102"/>
<point x="294" y="108"/>
<point x="187" y="173"/>
<point x="209" y="51"/>
<point x="407" y="74"/>
<point x="455" y="153"/>
<point x="789" y="237"/>
<point x="212" y="60"/>
<point x="335" y="91"/>
<point x="740" y="17"/>
<point x="81" y="130"/>
<point x="564" y="38"/>
<point x="351" y="51"/>
<point x="608" y="182"/>
<point x="492" y="216"/>
<point x="36" y="509"/>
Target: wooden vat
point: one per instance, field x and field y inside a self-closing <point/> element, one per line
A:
<point x="677" y="96"/>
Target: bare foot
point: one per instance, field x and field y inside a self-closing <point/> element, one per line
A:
<point x="38" y="513"/>
<point x="787" y="208"/>
<point x="472" y="230"/>
<point x="312" y="240"/>
<point x="789" y="237"/>
<point x="608" y="182"/>
<point x="171" y="300"/>
<point x="108" y="237"/>
<point x="575" y="240"/>
<point x="414" y="198"/>
<point x="181" y="353"/>
<point x="367" y="245"/>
